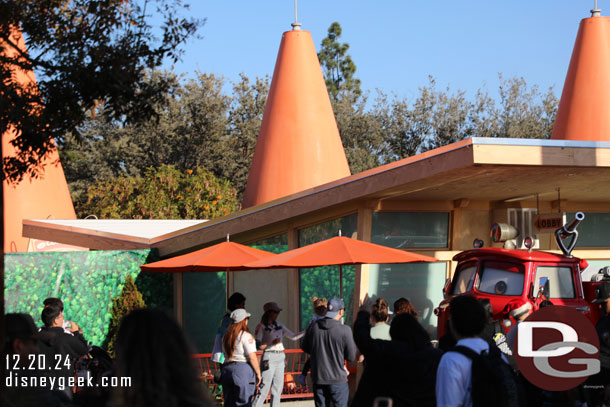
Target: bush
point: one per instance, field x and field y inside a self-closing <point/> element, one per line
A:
<point x="129" y="300"/>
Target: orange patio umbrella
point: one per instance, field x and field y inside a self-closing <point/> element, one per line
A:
<point x="225" y="256"/>
<point x="338" y="251"/>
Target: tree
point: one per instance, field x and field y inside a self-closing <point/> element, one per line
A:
<point x="85" y="53"/>
<point x="129" y="300"/>
<point x="360" y="130"/>
<point x="523" y="112"/>
<point x="245" y="118"/>
<point x="161" y="193"/>
<point x="199" y="125"/>
<point x="338" y="67"/>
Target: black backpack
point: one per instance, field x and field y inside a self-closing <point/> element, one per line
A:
<point x="494" y="382"/>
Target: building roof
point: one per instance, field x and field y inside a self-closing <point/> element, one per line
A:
<point x="126" y="233"/>
<point x="487" y="169"/>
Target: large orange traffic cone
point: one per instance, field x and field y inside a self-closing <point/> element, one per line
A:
<point x="585" y="101"/>
<point x="298" y="146"/>
<point x="33" y="198"/>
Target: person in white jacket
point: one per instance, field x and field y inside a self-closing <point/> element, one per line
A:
<point x="269" y="334"/>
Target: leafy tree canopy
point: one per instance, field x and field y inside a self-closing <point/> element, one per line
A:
<point x="161" y="193"/>
<point x="84" y="53"/>
<point x="199" y="125"/>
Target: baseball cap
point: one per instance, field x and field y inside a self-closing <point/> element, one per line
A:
<point x="239" y="315"/>
<point x="602" y="293"/>
<point x="334" y="306"/>
<point x="271" y="306"/>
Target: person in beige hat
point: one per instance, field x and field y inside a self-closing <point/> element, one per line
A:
<point x="269" y="334"/>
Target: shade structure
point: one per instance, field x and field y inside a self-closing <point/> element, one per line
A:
<point x="225" y="256"/>
<point x="339" y="251"/>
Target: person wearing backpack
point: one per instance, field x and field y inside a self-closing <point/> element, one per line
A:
<point x="474" y="374"/>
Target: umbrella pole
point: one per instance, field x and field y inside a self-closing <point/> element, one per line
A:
<point x="340" y="281"/>
<point x="227" y="289"/>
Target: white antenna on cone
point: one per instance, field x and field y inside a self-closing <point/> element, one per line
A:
<point x="296" y="25"/>
<point x="596" y="12"/>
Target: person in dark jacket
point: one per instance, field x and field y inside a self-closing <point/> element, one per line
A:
<point x="403" y="369"/>
<point x="329" y="344"/>
<point x="599" y="385"/>
<point x="21" y="348"/>
<point x="60" y="349"/>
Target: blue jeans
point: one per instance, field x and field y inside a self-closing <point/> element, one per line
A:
<point x="272" y="378"/>
<point x="238" y="384"/>
<point x="327" y="395"/>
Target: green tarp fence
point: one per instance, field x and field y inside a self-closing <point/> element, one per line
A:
<point x="87" y="282"/>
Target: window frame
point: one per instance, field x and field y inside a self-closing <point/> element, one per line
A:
<point x="449" y="229"/>
<point x="568" y="266"/>
<point x="481" y="269"/>
<point x="470" y="286"/>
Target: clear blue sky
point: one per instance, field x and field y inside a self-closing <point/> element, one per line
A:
<point x="396" y="44"/>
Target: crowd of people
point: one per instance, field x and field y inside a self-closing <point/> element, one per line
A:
<point x="471" y="365"/>
<point x="151" y="350"/>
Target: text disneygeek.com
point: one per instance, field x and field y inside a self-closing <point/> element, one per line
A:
<point x="37" y="371"/>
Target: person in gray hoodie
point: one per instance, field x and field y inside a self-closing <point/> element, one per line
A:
<point x="329" y="344"/>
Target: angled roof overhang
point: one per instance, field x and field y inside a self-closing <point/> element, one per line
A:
<point x="489" y="169"/>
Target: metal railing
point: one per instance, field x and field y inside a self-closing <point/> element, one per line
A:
<point x="295" y="360"/>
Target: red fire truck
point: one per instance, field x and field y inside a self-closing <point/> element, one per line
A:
<point x="501" y="275"/>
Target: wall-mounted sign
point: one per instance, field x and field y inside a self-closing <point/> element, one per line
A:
<point x="549" y="222"/>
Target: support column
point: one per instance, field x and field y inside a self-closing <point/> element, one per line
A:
<point x="294" y="294"/>
<point x="178" y="297"/>
<point x="361" y="285"/>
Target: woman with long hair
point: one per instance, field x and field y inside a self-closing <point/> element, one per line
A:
<point x="403" y="305"/>
<point x="153" y="351"/>
<point x="240" y="373"/>
<point x="403" y="368"/>
<point x="235" y="301"/>
<point x="379" y="320"/>
<point x="269" y="333"/>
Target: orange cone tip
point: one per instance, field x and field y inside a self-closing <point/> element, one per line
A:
<point x="298" y="146"/>
<point x="585" y="100"/>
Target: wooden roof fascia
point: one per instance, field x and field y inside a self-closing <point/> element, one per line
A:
<point x="93" y="239"/>
<point x="541" y="155"/>
<point x="326" y="196"/>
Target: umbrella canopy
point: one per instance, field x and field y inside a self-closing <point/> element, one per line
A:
<point x="225" y="256"/>
<point x="339" y="250"/>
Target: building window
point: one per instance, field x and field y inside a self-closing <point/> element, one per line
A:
<point x="275" y="244"/>
<point x="593" y="230"/>
<point x="324" y="281"/>
<point x="203" y="302"/>
<point x="402" y="230"/>
<point x="421" y="283"/>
